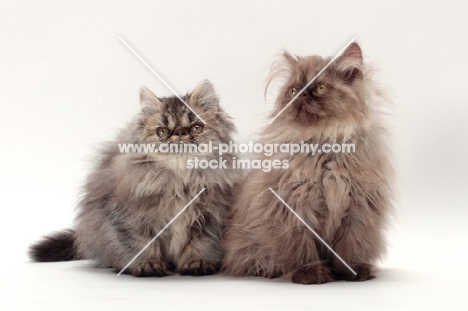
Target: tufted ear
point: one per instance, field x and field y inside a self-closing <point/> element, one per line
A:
<point x="150" y="103"/>
<point x="290" y="59"/>
<point x="351" y="63"/>
<point x="204" y="96"/>
<point x="353" y="51"/>
<point x="281" y="69"/>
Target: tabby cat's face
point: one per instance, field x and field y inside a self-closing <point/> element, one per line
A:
<point x="175" y="123"/>
<point x="168" y="120"/>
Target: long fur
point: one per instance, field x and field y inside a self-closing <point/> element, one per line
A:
<point x="128" y="198"/>
<point x="345" y="197"/>
<point x="58" y="246"/>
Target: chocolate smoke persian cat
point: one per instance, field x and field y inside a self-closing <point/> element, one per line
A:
<point x="129" y="197"/>
<point x="344" y="197"/>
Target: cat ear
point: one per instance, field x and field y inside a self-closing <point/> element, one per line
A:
<point x="150" y="103"/>
<point x="290" y="58"/>
<point x="353" y="51"/>
<point x="281" y="69"/>
<point x="204" y="96"/>
<point x="351" y="63"/>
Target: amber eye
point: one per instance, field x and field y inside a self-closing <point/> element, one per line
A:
<point x="292" y="92"/>
<point x="196" y="129"/>
<point x="320" y="89"/>
<point x="162" y="132"/>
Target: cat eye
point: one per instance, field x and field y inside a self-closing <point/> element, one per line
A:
<point x="162" y="132"/>
<point x="196" y="129"/>
<point x="320" y="89"/>
<point x="292" y="92"/>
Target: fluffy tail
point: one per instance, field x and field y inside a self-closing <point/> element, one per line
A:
<point x="58" y="246"/>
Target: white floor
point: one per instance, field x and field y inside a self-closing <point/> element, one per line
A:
<point x="71" y="286"/>
<point x="425" y="270"/>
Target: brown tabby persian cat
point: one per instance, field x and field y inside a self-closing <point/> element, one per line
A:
<point x="344" y="197"/>
<point x="129" y="197"/>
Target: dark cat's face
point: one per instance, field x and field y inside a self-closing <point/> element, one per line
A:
<point x="176" y="123"/>
<point x="336" y="95"/>
<point x="168" y="120"/>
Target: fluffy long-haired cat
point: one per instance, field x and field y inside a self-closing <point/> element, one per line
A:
<point x="345" y="197"/>
<point x="129" y="197"/>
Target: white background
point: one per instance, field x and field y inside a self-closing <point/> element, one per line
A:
<point x="67" y="83"/>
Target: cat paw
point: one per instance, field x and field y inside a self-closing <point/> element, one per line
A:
<point x="363" y="271"/>
<point x="145" y="269"/>
<point x="198" y="268"/>
<point x="315" y="273"/>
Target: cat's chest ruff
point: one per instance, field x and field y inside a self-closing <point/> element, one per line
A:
<point x="325" y="183"/>
<point x="178" y="164"/>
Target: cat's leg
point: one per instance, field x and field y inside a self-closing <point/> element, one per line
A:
<point x="267" y="240"/>
<point x="151" y="262"/>
<point x="202" y="252"/>
<point x="147" y="268"/>
<point x="153" y="266"/>
<point x="308" y="267"/>
<point x="359" y="244"/>
<point x="298" y="248"/>
<point x="354" y="223"/>
<point x="245" y="255"/>
<point x="313" y="273"/>
<point x="250" y="243"/>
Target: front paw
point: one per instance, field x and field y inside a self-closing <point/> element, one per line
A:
<point x="198" y="268"/>
<point x="146" y="269"/>
<point x="315" y="273"/>
<point x="363" y="271"/>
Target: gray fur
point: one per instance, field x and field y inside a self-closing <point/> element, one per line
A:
<point x="128" y="198"/>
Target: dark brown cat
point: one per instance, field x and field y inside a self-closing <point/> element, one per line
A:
<point x="344" y="197"/>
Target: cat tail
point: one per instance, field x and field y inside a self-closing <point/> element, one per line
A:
<point x="58" y="246"/>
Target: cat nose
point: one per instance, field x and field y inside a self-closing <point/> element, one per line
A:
<point x="306" y="93"/>
<point x="180" y="131"/>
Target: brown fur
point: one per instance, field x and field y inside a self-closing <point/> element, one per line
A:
<point x="128" y="198"/>
<point x="345" y="197"/>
